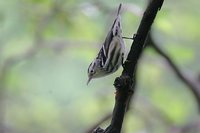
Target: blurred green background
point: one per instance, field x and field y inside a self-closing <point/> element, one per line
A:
<point x="47" y="45"/>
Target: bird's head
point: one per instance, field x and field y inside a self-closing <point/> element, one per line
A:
<point x="92" y="70"/>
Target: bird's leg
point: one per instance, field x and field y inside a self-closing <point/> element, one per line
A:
<point x="127" y="38"/>
<point x="130" y="37"/>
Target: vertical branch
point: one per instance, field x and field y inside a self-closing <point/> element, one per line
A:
<point x="124" y="84"/>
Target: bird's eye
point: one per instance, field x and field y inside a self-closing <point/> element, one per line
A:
<point x="92" y="71"/>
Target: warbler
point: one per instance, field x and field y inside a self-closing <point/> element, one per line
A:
<point x="111" y="54"/>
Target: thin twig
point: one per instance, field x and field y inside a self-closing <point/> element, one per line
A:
<point x="105" y="118"/>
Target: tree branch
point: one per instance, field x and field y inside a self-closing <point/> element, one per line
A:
<point x="191" y="83"/>
<point x="124" y="84"/>
<point x="109" y="115"/>
<point x="105" y="118"/>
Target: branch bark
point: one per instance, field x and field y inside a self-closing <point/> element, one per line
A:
<point x="124" y="84"/>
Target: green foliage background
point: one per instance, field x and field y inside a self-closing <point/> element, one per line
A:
<point x="47" y="45"/>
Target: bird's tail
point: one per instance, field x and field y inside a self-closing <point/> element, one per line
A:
<point x="116" y="27"/>
<point x="119" y="8"/>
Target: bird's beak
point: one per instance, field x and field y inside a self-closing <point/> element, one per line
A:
<point x="89" y="80"/>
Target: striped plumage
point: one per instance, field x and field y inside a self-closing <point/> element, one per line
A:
<point x="111" y="54"/>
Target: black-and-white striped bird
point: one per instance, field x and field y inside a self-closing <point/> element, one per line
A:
<point x="111" y="54"/>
